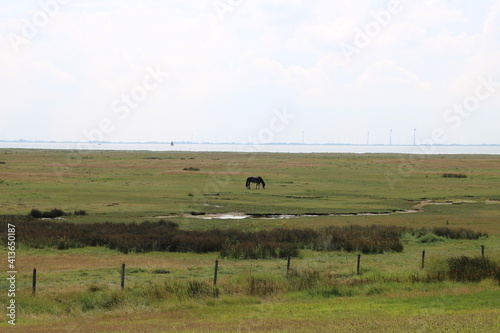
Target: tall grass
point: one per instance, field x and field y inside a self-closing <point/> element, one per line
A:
<point x="298" y="283"/>
<point x="472" y="269"/>
<point x="460" y="269"/>
<point x="167" y="237"/>
<point x="354" y="238"/>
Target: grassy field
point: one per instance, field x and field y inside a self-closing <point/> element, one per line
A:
<point x="79" y="289"/>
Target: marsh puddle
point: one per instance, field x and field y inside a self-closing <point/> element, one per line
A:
<point x="228" y="216"/>
<point x="417" y="208"/>
<point x="242" y="216"/>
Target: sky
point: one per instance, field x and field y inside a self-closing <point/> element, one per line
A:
<point x="251" y="71"/>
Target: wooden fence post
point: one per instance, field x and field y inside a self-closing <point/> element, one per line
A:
<point x="423" y="259"/>
<point x="359" y="262"/>
<point x="482" y="251"/>
<point x="34" y="281"/>
<point x="123" y="276"/>
<point x="288" y="265"/>
<point x="215" y="272"/>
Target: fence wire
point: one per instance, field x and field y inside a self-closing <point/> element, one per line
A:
<point x="342" y="263"/>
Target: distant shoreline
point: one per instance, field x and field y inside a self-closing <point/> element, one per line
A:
<point x="249" y="143"/>
<point x="258" y="148"/>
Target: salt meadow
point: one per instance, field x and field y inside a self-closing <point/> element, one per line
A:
<point x="146" y="209"/>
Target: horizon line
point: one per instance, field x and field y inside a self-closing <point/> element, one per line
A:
<point x="247" y="143"/>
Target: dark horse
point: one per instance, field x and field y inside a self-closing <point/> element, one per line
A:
<point x="256" y="180"/>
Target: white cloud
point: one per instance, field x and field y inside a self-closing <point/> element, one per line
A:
<point x="263" y="54"/>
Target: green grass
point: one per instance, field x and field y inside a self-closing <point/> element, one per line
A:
<point x="436" y="307"/>
<point x="297" y="183"/>
<point x="79" y="289"/>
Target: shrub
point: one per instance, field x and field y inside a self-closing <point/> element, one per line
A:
<point x="161" y="271"/>
<point x="454" y="175"/>
<point x="473" y="269"/>
<point x="35" y="213"/>
<point x="80" y="213"/>
<point x="457" y="233"/>
<point x="166" y="236"/>
<point x="372" y="239"/>
<point x="259" y="250"/>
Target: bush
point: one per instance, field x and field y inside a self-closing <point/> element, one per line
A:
<point x="372" y="239"/>
<point x="191" y="169"/>
<point x="454" y="175"/>
<point x="35" y="213"/>
<point x="80" y="213"/>
<point x="167" y="237"/>
<point x="469" y="269"/>
<point x="458" y="233"/>
<point x="260" y="250"/>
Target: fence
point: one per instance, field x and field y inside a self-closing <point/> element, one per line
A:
<point x="119" y="275"/>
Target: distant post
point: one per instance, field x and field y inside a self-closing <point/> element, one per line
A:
<point x="34" y="281"/>
<point x="423" y="259"/>
<point x="359" y="263"/>
<point x="123" y="276"/>
<point x="482" y="251"/>
<point x="216" y="271"/>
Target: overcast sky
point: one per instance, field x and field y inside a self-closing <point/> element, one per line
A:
<point x="251" y="70"/>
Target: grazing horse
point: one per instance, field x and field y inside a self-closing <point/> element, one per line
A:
<point x="256" y="180"/>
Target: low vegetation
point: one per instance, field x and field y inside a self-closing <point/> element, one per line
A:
<point x="342" y="205"/>
<point x="231" y="243"/>
<point x="472" y="269"/>
<point x="454" y="175"/>
<point x="303" y="283"/>
<point x="54" y="213"/>
<point x="35" y="213"/>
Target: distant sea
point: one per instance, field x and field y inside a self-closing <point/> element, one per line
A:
<point x="267" y="148"/>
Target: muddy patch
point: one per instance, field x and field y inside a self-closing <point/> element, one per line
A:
<point x="419" y="207"/>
